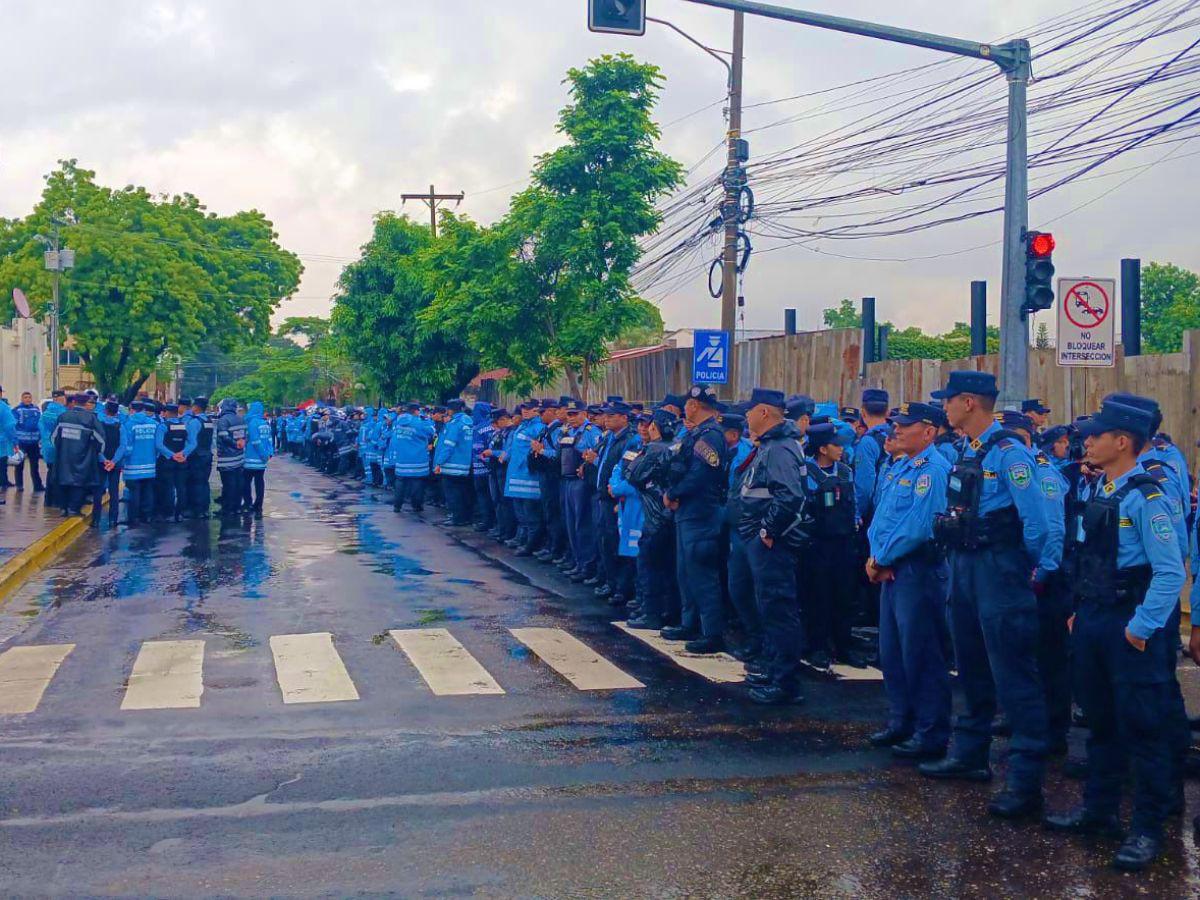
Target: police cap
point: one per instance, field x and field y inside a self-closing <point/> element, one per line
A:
<point x="676" y="400"/>
<point x="614" y="398"/>
<point x="456" y="405"/>
<point x="875" y="396"/>
<point x="769" y="396"/>
<point x="1114" y="416"/>
<point x="184" y="401"/>
<point x="1148" y="404"/>
<point x="799" y="405"/>
<point x="1010" y="418"/>
<point x="499" y="413"/>
<point x="618" y="408"/>
<point x="705" y="395"/>
<point x="731" y="421"/>
<point x="968" y="381"/>
<point x="1034" y="405"/>
<point x="575" y="406"/>
<point x="818" y="436"/>
<point x="850" y="414"/>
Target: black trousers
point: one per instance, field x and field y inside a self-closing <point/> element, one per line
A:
<point x="485" y="510"/>
<point x="657" y="587"/>
<point x="199" y="470"/>
<point x="172" y="479"/>
<point x="254" y="488"/>
<point x="231" y="491"/>
<point x="410" y="491"/>
<point x="73" y="496"/>
<point x="33" y="457"/>
<point x="828" y="594"/>
<point x="458" y="490"/>
<point x="110" y="484"/>
<point x="141" y="500"/>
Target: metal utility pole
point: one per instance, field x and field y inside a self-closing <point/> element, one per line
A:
<point x="56" y="260"/>
<point x="1014" y="59"/>
<point x="433" y="199"/>
<point x="729" y="209"/>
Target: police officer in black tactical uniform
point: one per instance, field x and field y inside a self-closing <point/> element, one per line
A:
<point x="695" y="494"/>
<point x="199" y="464"/>
<point x="773" y="527"/>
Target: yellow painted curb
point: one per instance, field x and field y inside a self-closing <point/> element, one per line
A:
<point x="16" y="570"/>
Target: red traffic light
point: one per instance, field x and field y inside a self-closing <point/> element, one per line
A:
<point x="1040" y="244"/>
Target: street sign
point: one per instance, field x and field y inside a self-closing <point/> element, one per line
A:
<point x="21" y="303"/>
<point x="617" y="16"/>
<point x="1087" y="322"/>
<point x="710" y="357"/>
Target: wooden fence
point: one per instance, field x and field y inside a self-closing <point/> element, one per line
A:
<point x="827" y="366"/>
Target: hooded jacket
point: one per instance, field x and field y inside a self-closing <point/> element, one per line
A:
<point x="46" y="424"/>
<point x="408" y="447"/>
<point x="28" y="416"/>
<point x="231" y="437"/>
<point x="139" y="436"/>
<point x="772" y="493"/>
<point x="78" y="440"/>
<point x="481" y="436"/>
<point x="454" y="447"/>
<point x="259" y="445"/>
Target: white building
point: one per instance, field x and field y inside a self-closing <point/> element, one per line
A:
<point x="23" y="354"/>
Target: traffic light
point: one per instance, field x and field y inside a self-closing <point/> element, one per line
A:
<point x="617" y="16"/>
<point x="1039" y="271"/>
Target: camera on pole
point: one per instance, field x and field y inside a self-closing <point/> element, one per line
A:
<point x="1039" y="271"/>
<point x="617" y="16"/>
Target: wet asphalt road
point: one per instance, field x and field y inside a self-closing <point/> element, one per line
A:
<point x="681" y="789"/>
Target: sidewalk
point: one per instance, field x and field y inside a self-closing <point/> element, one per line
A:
<point x="24" y="519"/>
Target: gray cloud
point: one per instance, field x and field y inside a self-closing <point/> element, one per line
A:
<point x="322" y="113"/>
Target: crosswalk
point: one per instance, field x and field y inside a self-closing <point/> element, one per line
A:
<point x="169" y="675"/>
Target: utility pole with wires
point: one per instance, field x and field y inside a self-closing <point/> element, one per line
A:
<point x="735" y="182"/>
<point x="433" y="199"/>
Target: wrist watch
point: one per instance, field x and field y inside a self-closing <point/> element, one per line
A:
<point x="762" y="533"/>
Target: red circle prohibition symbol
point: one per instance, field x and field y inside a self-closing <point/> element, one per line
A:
<point x="1089" y="309"/>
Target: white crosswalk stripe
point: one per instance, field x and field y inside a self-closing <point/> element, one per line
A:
<point x="309" y="669"/>
<point x="445" y="664"/>
<point x="574" y="660"/>
<point x="166" y="675"/>
<point x="25" y="673"/>
<point x="716" y="667"/>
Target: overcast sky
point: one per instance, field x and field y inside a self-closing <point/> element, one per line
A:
<point x="322" y="113"/>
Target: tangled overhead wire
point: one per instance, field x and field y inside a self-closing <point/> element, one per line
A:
<point x="923" y="147"/>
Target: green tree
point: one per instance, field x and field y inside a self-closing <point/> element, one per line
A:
<point x="1170" y="306"/>
<point x="556" y="268"/>
<point x="912" y="342"/>
<point x="375" y="316"/>
<point x="155" y="277"/>
<point x="844" y="316"/>
<point x="1041" y="339"/>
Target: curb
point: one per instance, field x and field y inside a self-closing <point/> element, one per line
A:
<point x="19" y="568"/>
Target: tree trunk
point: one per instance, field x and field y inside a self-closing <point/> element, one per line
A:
<point x="128" y="395"/>
<point x="573" y="384"/>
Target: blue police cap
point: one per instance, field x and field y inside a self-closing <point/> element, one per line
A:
<point x="665" y="420"/>
<point x="1052" y="436"/>
<point x="619" y="408"/>
<point x="185" y="401"/>
<point x="564" y="399"/>
<point x="1010" y="418"/>
<point x="676" y="400"/>
<point x="1034" y="405"/>
<point x="800" y="405"/>
<point x="733" y="421"/>
<point x="704" y="394"/>
<point x="614" y="398"/>
<point x="112" y="407"/>
<point x="911" y="413"/>
<point x="595" y="409"/>
<point x="499" y="413"/>
<point x="850" y="414"/>
<point x="1115" y="416"/>
<point x="412" y="407"/>
<point x="549" y="403"/>
<point x="1148" y="404"/>
<point x="875" y="395"/>
<point x="818" y="436"/>
<point x="201" y="402"/>
<point x="638" y="407"/>
<point x="768" y="396"/>
<point x="576" y="406"/>
<point x="968" y="381"/>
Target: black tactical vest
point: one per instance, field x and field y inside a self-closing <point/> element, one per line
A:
<point x="832" y="502"/>
<point x="1097" y="580"/>
<point x="961" y="527"/>
<point x="112" y="438"/>
<point x="569" y="457"/>
<point x="176" y="437"/>
<point x="204" y="440"/>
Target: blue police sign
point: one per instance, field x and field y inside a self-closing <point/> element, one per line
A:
<point x="710" y="357"/>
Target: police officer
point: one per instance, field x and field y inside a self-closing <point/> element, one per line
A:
<point x="607" y="531"/>
<point x="773" y="527"/>
<point x="199" y="464"/>
<point x="521" y="485"/>
<point x="112" y="458"/>
<point x="175" y="442"/>
<point x="29" y="436"/>
<point x="738" y="579"/>
<point x="1038" y="412"/>
<point x="656" y="571"/>
<point x="912" y="570"/>
<point x="230" y="434"/>
<point x="828" y="566"/>
<point x="577" y="437"/>
<point x="869" y="455"/>
<point x="452" y="462"/>
<point x="140" y="435"/>
<point x="481" y="439"/>
<point x="259" y="450"/>
<point x="995" y="528"/>
<point x="407" y="455"/>
<point x="1129" y="575"/>
<point x="549" y="482"/>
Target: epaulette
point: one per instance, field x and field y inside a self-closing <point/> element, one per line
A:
<point x="919" y="461"/>
<point x="1042" y="459"/>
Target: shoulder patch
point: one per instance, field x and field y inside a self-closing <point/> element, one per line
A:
<point x="1160" y="524"/>
<point x="1050" y="486"/>
<point x="708" y="454"/>
<point x="629" y="454"/>
<point x="924" y="483"/>
<point x="1021" y="475"/>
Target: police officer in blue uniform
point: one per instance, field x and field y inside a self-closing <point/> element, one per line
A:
<point x="995" y="529"/>
<point x="773" y="527"/>
<point x="906" y="561"/>
<point x="199" y="464"/>
<point x="738" y="579"/>
<point x="695" y="494"/>
<point x="1129" y="573"/>
<point x="1037" y="411"/>
<point x="656" y="571"/>
<point x="869" y="455"/>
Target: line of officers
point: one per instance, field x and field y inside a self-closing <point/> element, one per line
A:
<point x="163" y="452"/>
<point x="1044" y="565"/>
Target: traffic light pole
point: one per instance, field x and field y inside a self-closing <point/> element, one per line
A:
<point x="1015" y="60"/>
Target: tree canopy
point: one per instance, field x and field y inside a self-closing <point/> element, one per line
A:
<point x="912" y="342"/>
<point x="1170" y="306"/>
<point x="154" y="276"/>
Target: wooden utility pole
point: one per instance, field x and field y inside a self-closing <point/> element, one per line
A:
<point x="433" y="199"/>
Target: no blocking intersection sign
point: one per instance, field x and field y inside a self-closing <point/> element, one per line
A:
<point x="1087" y="322"/>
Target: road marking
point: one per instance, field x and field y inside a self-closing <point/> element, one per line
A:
<point x="716" y="667"/>
<point x="309" y="669"/>
<point x="25" y="673"/>
<point x="574" y="660"/>
<point x="444" y="663"/>
<point x="166" y="675"/>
